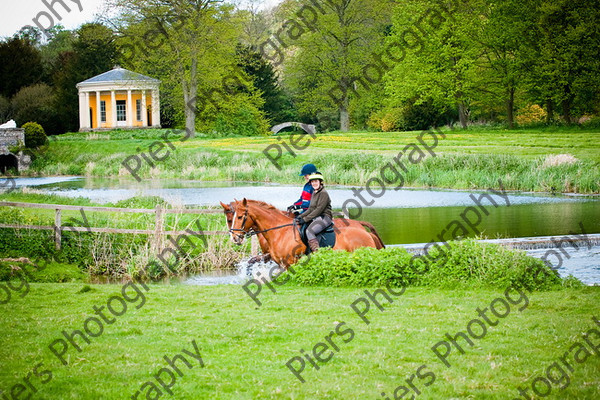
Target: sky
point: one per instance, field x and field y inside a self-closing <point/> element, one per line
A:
<point x="15" y="14"/>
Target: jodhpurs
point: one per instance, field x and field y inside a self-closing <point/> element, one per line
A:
<point x="316" y="226"/>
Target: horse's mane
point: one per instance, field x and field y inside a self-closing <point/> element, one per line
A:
<point x="268" y="206"/>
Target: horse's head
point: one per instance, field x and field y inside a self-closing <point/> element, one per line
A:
<point x="241" y="222"/>
<point x="228" y="210"/>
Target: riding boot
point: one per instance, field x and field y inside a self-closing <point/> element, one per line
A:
<point x="314" y="245"/>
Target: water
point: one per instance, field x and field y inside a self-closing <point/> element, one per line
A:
<point x="582" y="263"/>
<point x="404" y="216"/>
<point x="241" y="275"/>
<point x="401" y="217"/>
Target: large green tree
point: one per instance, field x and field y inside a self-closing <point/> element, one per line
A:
<point x="565" y="55"/>
<point x="190" y="43"/>
<point x="94" y="52"/>
<point x="331" y="51"/>
<point x="440" y="51"/>
<point x="277" y="105"/>
<point x="21" y="65"/>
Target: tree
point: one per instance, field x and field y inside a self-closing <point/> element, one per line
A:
<point x="60" y="41"/>
<point x="21" y="65"/>
<point x="94" y="52"/>
<point x="333" y="51"/>
<point x="36" y="103"/>
<point x="565" y="55"/>
<point x="192" y="43"/>
<point x="439" y="54"/>
<point x="277" y="106"/>
<point x="503" y="59"/>
<point x="5" y="109"/>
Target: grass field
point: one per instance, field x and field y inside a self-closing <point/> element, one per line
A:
<point x="245" y="348"/>
<point x="465" y="159"/>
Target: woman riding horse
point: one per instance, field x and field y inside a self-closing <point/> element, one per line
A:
<point x="280" y="231"/>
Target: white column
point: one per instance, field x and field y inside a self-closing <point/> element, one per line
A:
<point x="98" y="114"/>
<point x="86" y="117"/>
<point x="155" y="108"/>
<point x="81" y="111"/>
<point x="113" y="102"/>
<point x="129" y="108"/>
<point x="144" y="112"/>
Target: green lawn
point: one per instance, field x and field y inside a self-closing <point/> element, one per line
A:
<point x="465" y="159"/>
<point x="244" y="348"/>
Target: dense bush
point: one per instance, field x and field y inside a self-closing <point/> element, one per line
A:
<point x="245" y="120"/>
<point x="36" y="103"/>
<point x="387" y="120"/>
<point x="531" y="114"/>
<point x="34" y="135"/>
<point x="410" y="117"/>
<point x="467" y="263"/>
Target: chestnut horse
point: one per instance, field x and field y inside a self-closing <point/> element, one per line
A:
<point x="339" y="223"/>
<point x="281" y="234"/>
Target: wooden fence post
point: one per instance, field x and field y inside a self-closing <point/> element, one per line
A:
<point x="57" y="229"/>
<point x="254" y="245"/>
<point x="158" y="229"/>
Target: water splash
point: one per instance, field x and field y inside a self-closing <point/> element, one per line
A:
<point x="244" y="272"/>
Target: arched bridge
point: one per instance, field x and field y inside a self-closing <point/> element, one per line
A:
<point x="310" y="129"/>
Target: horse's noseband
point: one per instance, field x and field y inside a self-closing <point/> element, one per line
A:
<point x="244" y="233"/>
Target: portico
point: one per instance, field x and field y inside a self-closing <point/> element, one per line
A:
<point x="119" y="98"/>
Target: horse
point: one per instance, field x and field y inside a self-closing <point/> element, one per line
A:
<point x="339" y="223"/>
<point x="280" y="233"/>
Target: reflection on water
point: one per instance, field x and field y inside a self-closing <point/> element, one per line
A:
<point x="199" y="193"/>
<point x="404" y="216"/>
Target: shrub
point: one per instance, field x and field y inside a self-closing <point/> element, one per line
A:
<point x="466" y="263"/>
<point x="531" y="114"/>
<point x="34" y="135"/>
<point x="244" y="121"/>
<point x="36" y="103"/>
<point x="387" y="120"/>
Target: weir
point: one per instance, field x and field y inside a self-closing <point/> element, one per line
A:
<point x="525" y="243"/>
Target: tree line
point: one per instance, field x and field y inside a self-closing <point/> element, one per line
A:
<point x="342" y="64"/>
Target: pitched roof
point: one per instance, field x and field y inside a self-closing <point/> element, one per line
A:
<point x="118" y="74"/>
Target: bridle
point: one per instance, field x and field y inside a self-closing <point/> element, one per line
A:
<point x="251" y="232"/>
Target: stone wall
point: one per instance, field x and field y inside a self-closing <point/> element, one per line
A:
<point x="11" y="137"/>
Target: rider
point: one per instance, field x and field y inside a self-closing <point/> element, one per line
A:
<point x="318" y="215"/>
<point x="302" y="204"/>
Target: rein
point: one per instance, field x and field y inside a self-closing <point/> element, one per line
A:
<point x="252" y="232"/>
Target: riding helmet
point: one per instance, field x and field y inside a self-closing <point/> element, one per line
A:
<point x="308" y="169"/>
<point x="316" y="175"/>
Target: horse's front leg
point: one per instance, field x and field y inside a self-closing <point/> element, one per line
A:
<point x="260" y="258"/>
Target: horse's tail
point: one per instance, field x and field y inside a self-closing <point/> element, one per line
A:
<point x="378" y="242"/>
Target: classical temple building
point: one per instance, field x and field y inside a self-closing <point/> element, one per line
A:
<point x="119" y="99"/>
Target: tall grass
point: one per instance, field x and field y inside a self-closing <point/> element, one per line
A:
<point x="465" y="160"/>
<point x="118" y="255"/>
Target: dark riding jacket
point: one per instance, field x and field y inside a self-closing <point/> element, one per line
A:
<point x="320" y="204"/>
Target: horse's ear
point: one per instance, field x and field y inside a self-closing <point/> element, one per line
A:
<point x="245" y="202"/>
<point x="225" y="206"/>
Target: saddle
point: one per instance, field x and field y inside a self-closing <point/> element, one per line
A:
<point x="326" y="237"/>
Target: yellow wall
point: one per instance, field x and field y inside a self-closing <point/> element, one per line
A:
<point x="105" y="96"/>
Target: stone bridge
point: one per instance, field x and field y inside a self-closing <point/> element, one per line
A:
<point x="12" y="137"/>
<point x="310" y="129"/>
